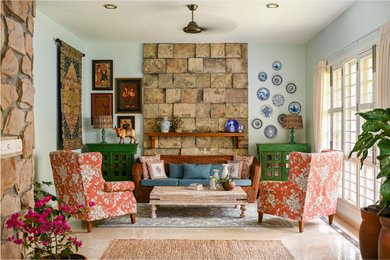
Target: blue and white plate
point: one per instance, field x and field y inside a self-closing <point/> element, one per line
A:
<point x="291" y="88"/>
<point x="232" y="126"/>
<point x="270" y="131"/>
<point x="241" y="128"/>
<point x="266" y="110"/>
<point x="278" y="100"/>
<point x="277" y="65"/>
<point x="263" y="94"/>
<point x="281" y="119"/>
<point x="262" y="76"/>
<point x="257" y="123"/>
<point x="277" y="80"/>
<point x="294" y="108"/>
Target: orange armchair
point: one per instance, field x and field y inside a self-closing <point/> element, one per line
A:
<point x="310" y="192"/>
<point x="78" y="181"/>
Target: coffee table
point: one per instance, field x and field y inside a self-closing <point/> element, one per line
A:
<point x="181" y="195"/>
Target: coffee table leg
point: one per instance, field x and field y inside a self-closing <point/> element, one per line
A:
<point x="243" y="208"/>
<point x="237" y="206"/>
<point x="153" y="209"/>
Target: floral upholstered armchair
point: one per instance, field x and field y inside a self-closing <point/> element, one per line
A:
<point x="78" y="181"/>
<point x="310" y="192"/>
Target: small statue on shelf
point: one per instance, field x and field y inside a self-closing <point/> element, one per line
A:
<point x="177" y="124"/>
<point x="123" y="132"/>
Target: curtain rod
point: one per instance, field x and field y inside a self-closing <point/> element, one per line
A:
<point x="59" y="41"/>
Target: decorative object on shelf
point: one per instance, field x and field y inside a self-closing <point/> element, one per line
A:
<point x="278" y="100"/>
<point x="241" y="128"/>
<point x="263" y="94"/>
<point x="292" y="122"/>
<point x="102" y="71"/>
<point x="266" y="110"/>
<point x="270" y="131"/>
<point x="126" y="122"/>
<point x="277" y="80"/>
<point x="291" y="88"/>
<point x="257" y="123"/>
<point x="226" y="182"/>
<point x="232" y="126"/>
<point x="102" y="122"/>
<point x="262" y="76"/>
<point x="177" y="125"/>
<point x="128" y="95"/>
<point x="277" y="65"/>
<point x="294" y="107"/>
<point x="122" y="133"/>
<point x="281" y="118"/>
<point x="225" y="170"/>
<point x="101" y="105"/>
<point x="164" y="124"/>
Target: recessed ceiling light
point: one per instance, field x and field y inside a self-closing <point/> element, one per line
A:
<point x="272" y="5"/>
<point x="110" y="6"/>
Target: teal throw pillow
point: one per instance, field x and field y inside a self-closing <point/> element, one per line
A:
<point x="196" y="171"/>
<point x="175" y="170"/>
<point x="216" y="167"/>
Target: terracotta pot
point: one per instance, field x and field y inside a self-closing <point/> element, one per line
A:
<point x="72" y="256"/>
<point x="230" y="186"/>
<point x="369" y="233"/>
<point x="384" y="238"/>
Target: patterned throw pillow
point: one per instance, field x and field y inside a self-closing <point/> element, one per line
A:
<point x="144" y="160"/>
<point x="235" y="169"/>
<point x="156" y="170"/>
<point x="246" y="165"/>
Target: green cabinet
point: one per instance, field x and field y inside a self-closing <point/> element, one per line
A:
<point x="117" y="160"/>
<point x="274" y="160"/>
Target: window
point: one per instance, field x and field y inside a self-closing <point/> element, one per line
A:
<point x="351" y="89"/>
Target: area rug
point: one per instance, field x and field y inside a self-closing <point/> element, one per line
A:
<point x="196" y="249"/>
<point x="196" y="217"/>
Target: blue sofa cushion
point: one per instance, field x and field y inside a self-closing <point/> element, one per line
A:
<point x="187" y="182"/>
<point x="243" y="182"/>
<point x="196" y="171"/>
<point x="175" y="170"/>
<point x="216" y="167"/>
<point x="160" y="182"/>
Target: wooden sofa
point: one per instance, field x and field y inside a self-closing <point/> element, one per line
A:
<point x="142" y="192"/>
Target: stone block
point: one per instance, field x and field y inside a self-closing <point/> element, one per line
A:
<point x="195" y="65"/>
<point x="184" y="80"/>
<point x="27" y="200"/>
<point x="28" y="44"/>
<point x="244" y="51"/>
<point x="221" y="80"/>
<point x="240" y="80"/>
<point x="30" y="116"/>
<point x="202" y="110"/>
<point x="154" y="95"/>
<point x="202" y="50"/>
<point x="237" y="65"/>
<point x="153" y="66"/>
<point x="26" y="93"/>
<point x="188" y="142"/>
<point x="233" y="50"/>
<point x="165" y="50"/>
<point x="147" y="142"/>
<point x="240" y="151"/>
<point x="237" y="110"/>
<point x="10" y="250"/>
<point x="9" y="64"/>
<point x="8" y="96"/>
<point x="165" y="80"/>
<point x="9" y="176"/>
<point x="173" y="96"/>
<point x="169" y="142"/>
<point x="17" y="9"/>
<point x="176" y="65"/>
<point x="165" y="110"/>
<point x="237" y="95"/>
<point x="188" y="125"/>
<point x="2" y="31"/>
<point x="205" y="141"/>
<point x="150" y="50"/>
<point x="224" y="142"/>
<point x="214" y="95"/>
<point x="26" y="66"/>
<point x="14" y="122"/>
<point x="207" y="125"/>
<point x="225" y="151"/>
<point x="15" y="36"/>
<point x="30" y="24"/>
<point x="171" y="151"/>
<point x="203" y="80"/>
<point x="199" y="151"/>
<point x="28" y="141"/>
<point x="221" y="124"/>
<point x="192" y="95"/>
<point x="9" y="205"/>
<point x="214" y="65"/>
<point x="150" y="81"/>
<point x="217" y="110"/>
<point x="183" y="110"/>
<point x="150" y="110"/>
<point x="150" y="125"/>
<point x="184" y="50"/>
<point x="162" y="151"/>
<point x="217" y="50"/>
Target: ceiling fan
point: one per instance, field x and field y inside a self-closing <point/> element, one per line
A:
<point x="192" y="26"/>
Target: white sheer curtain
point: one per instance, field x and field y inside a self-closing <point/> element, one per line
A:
<point x="384" y="67"/>
<point x="318" y="101"/>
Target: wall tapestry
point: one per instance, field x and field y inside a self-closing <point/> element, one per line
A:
<point x="70" y="118"/>
<point x="128" y="95"/>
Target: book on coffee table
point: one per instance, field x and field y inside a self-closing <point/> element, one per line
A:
<point x="195" y="186"/>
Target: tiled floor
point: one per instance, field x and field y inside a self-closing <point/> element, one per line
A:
<point x="318" y="241"/>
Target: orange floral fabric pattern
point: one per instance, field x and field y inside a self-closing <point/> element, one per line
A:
<point x="113" y="186"/>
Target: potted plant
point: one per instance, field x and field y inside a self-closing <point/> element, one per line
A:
<point x="376" y="130"/>
<point x="226" y="182"/>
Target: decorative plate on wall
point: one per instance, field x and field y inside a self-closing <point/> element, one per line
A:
<point x="266" y="110"/>
<point x="281" y="118"/>
<point x="277" y="65"/>
<point x="257" y="123"/>
<point x="262" y="76"/>
<point x="277" y="80"/>
<point x="291" y="88"/>
<point x="270" y="131"/>
<point x="232" y="126"/>
<point x="278" y="100"/>
<point x="294" y="108"/>
<point x="263" y="94"/>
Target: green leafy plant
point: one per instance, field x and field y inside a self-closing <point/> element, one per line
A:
<point x="223" y="181"/>
<point x="376" y="130"/>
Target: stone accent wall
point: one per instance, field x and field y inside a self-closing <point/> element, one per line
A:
<point x="205" y="85"/>
<point x="17" y="115"/>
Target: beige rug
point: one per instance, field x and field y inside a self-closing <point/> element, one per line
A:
<point x="196" y="249"/>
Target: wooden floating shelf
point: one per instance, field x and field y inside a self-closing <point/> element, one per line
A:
<point x="238" y="135"/>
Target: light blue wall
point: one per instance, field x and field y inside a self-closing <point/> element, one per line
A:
<point x="361" y="18"/>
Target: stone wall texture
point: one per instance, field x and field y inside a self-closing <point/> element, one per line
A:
<point x="17" y="114"/>
<point x="205" y="85"/>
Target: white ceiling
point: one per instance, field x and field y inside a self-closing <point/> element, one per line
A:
<point x="163" y="21"/>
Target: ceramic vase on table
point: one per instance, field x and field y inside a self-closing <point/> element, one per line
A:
<point x="229" y="186"/>
<point x="213" y="181"/>
<point x="225" y="170"/>
<point x="164" y="124"/>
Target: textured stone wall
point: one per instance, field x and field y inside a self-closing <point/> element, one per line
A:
<point x="205" y="85"/>
<point x="17" y="116"/>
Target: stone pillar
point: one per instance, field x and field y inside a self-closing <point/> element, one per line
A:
<point x="17" y="114"/>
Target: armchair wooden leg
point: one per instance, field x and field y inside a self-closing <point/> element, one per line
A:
<point x="331" y="219"/>
<point x="132" y="216"/>
<point x="89" y="226"/>
<point x="260" y="219"/>
<point x="301" y="226"/>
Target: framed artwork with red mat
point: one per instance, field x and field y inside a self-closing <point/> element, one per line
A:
<point x="101" y="105"/>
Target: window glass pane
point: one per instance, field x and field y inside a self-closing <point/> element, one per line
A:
<point x="337" y="134"/>
<point x="350" y="182"/>
<point x="366" y="75"/>
<point x="337" y="88"/>
<point x="366" y="186"/>
<point x="326" y="131"/>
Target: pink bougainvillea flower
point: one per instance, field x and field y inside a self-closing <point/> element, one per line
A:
<point x="91" y="204"/>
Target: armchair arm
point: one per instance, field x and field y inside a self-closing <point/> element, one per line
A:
<point x="273" y="185"/>
<point x="255" y="172"/>
<point x="119" y="186"/>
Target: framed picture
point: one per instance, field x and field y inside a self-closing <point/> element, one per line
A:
<point x="101" y="104"/>
<point x="127" y="122"/>
<point x="128" y="95"/>
<point x="102" y="71"/>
